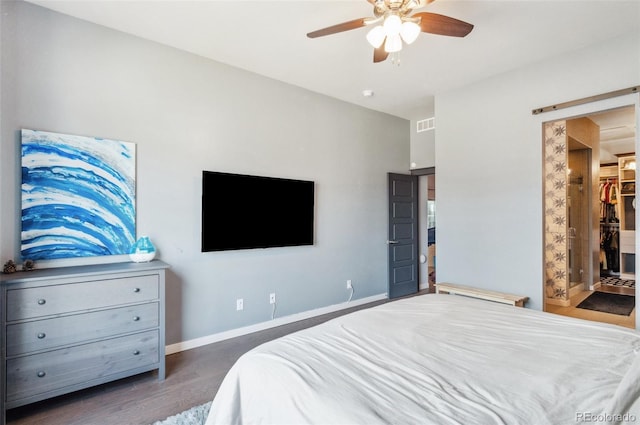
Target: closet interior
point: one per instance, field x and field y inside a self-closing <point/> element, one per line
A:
<point x="618" y="217"/>
<point x="617" y="196"/>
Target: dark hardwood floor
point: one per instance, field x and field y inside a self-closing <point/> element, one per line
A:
<point x="193" y="377"/>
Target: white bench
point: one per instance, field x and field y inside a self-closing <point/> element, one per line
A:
<point x="500" y="297"/>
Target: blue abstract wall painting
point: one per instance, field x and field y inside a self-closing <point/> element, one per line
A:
<point x="78" y="196"/>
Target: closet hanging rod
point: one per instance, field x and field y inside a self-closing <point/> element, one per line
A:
<point x="630" y="90"/>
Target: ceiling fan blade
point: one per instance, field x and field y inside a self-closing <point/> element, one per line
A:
<point x="442" y="25"/>
<point x="345" y="26"/>
<point x="380" y="54"/>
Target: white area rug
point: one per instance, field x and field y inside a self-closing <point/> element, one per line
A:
<point x="194" y="416"/>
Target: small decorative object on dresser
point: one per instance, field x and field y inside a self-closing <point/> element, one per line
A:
<point x="143" y="250"/>
<point x="69" y="328"/>
<point x="9" y="267"/>
<point x="28" y="265"/>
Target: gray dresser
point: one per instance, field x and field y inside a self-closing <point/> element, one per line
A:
<point x="70" y="328"/>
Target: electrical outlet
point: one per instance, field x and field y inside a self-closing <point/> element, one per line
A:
<point x="239" y="304"/>
<point x="349" y="284"/>
<point x="272" y="298"/>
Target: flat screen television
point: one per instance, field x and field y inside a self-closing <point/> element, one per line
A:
<point x="244" y="212"/>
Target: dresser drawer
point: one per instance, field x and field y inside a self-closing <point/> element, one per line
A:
<point x="41" y="301"/>
<point x="29" y="376"/>
<point x="67" y="330"/>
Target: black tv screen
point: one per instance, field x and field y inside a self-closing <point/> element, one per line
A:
<point x="243" y="212"/>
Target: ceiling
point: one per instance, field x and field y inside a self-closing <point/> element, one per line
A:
<point x="617" y="133"/>
<point x="269" y="38"/>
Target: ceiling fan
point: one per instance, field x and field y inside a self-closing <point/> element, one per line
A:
<point x="393" y="24"/>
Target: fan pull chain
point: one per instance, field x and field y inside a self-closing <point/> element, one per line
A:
<point x="395" y="58"/>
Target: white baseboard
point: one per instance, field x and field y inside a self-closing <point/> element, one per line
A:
<point x="221" y="336"/>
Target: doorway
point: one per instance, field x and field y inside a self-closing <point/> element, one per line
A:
<point x="605" y="262"/>
<point x="427" y="231"/>
<point x="426" y="228"/>
<point x="412" y="232"/>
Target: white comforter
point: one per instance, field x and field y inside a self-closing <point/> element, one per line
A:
<point x="438" y="359"/>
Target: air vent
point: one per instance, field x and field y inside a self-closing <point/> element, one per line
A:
<point x="426" y="125"/>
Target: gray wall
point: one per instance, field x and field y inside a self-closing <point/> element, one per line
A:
<point x="423" y="145"/>
<point x="489" y="163"/>
<point x="187" y="114"/>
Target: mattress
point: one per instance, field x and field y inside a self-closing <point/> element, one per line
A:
<point x="438" y="359"/>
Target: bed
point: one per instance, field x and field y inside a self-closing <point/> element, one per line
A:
<point x="438" y="359"/>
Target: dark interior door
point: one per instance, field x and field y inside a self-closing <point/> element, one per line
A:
<point x="403" y="235"/>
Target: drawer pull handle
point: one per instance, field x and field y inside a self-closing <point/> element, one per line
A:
<point x="136" y="289"/>
<point x="136" y="318"/>
<point x="136" y="352"/>
<point x="42" y="301"/>
<point x="41" y="335"/>
<point x="41" y="374"/>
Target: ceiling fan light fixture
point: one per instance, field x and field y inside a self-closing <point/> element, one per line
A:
<point x="410" y="32"/>
<point x="392" y="25"/>
<point x="393" y="44"/>
<point x="376" y="36"/>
